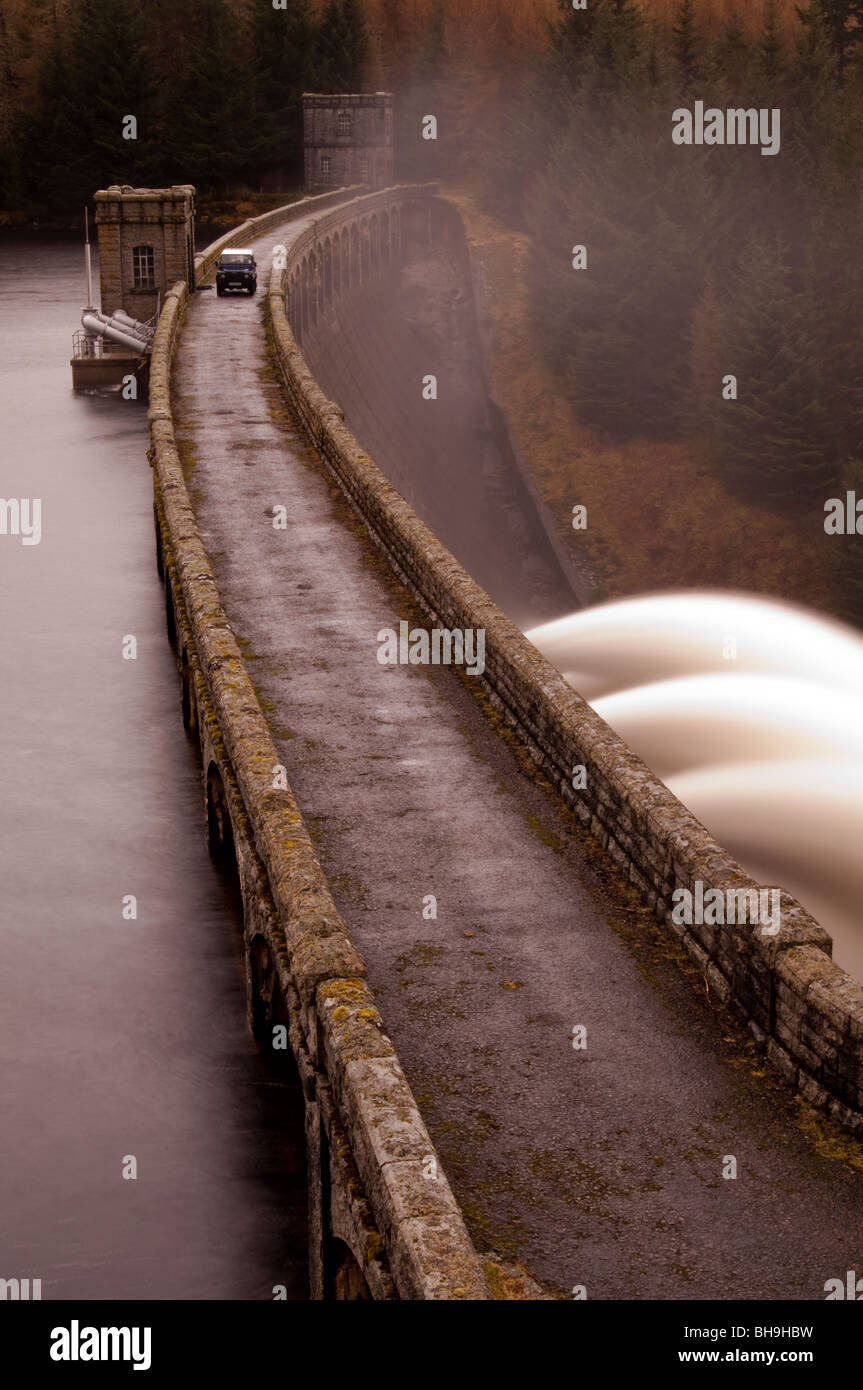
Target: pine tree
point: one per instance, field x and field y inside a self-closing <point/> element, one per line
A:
<point x="770" y="44"/>
<point x="205" y="99"/>
<point x="842" y="23"/>
<point x="11" y="184"/>
<point x="685" y="40"/>
<point x="617" y="332"/>
<point x="390" y="39"/>
<point x="706" y="360"/>
<point x="356" y="42"/>
<point x="431" y="55"/>
<point x="733" y="47"/>
<point x="609" y="34"/>
<point x="341" y="47"/>
<point x="283" y="42"/>
<point x="524" y="125"/>
<point x="110" y="80"/>
<point x="617" y="36"/>
<point x="59" y="174"/>
<point x="570" y="36"/>
<point x="773" y="443"/>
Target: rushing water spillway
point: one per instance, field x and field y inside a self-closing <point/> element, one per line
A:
<point x="751" y="712"/>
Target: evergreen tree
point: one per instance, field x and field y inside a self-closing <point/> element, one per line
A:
<point x="652" y="69"/>
<point x="734" y="48"/>
<point x="59" y="174"/>
<point x="341" y="48"/>
<point x="617" y="332"/>
<point x="283" y="42"/>
<point x="618" y="36"/>
<point x="525" y="125"/>
<point x="842" y="23"/>
<point x="609" y="34"/>
<point x="357" y="41"/>
<point x="706" y="360"/>
<point x="11" y="187"/>
<point x="206" y="100"/>
<point x="392" y="35"/>
<point x="770" y="44"/>
<point x="434" y="84"/>
<point x="110" y="80"/>
<point x="726" y="69"/>
<point x="431" y="57"/>
<point x="773" y="443"/>
<point x="685" y="40"/>
<point x="570" y="36"/>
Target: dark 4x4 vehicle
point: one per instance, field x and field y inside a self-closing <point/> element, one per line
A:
<point x="236" y="270"/>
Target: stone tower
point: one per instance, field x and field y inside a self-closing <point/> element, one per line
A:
<point x="348" y="140"/>
<point x="146" y="243"/>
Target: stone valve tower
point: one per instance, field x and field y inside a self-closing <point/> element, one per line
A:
<point x="348" y="139"/>
<point x="146" y="243"/>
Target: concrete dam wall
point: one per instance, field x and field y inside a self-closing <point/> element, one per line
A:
<point x="383" y="1220"/>
<point x="804" y="1010"/>
<point x="402" y="356"/>
<point x="383" y="1223"/>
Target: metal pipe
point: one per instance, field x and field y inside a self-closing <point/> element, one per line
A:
<point x="106" y="328"/>
<point x="122" y="317"/>
<point x="87" y="259"/>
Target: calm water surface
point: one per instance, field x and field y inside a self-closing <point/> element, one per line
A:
<point x="117" y="1037"/>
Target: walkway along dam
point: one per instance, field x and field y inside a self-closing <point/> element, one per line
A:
<point x="510" y="1058"/>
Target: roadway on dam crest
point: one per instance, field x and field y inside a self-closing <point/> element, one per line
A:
<point x="599" y="1167"/>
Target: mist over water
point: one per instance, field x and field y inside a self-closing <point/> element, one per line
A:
<point x="765" y="746"/>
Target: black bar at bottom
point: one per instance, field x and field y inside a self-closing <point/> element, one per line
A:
<point x="161" y="1340"/>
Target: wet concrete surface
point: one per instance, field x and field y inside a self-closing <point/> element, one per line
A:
<point x="599" y="1166"/>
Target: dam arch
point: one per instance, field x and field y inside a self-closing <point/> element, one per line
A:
<point x="220" y="830"/>
<point x="188" y="693"/>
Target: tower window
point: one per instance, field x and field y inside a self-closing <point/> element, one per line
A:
<point x="143" y="267"/>
<point x="345" y="122"/>
<point x="326" y="168"/>
<point x="364" y="168"/>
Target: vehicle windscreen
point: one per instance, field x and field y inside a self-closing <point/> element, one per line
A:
<point x="231" y="261"/>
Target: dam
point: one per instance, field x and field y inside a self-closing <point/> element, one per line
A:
<point x="497" y="1033"/>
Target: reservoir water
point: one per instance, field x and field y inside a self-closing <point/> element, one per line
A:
<point x="121" y="1039"/>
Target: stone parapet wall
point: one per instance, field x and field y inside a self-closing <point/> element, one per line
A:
<point x="205" y="261"/>
<point x="804" y="1009"/>
<point x="379" y="1176"/>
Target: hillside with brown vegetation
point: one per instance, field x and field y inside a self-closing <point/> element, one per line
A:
<point x="658" y="517"/>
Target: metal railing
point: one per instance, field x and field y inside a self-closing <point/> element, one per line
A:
<point x="87" y="344"/>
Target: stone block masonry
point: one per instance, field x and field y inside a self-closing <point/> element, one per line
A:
<point x="156" y="223"/>
<point x="348" y="139"/>
<point x="368" y="1148"/>
<point x="804" y="1010"/>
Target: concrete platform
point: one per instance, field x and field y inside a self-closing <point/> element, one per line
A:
<point x="102" y="373"/>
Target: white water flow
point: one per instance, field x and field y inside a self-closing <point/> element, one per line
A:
<point x="765" y="747"/>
